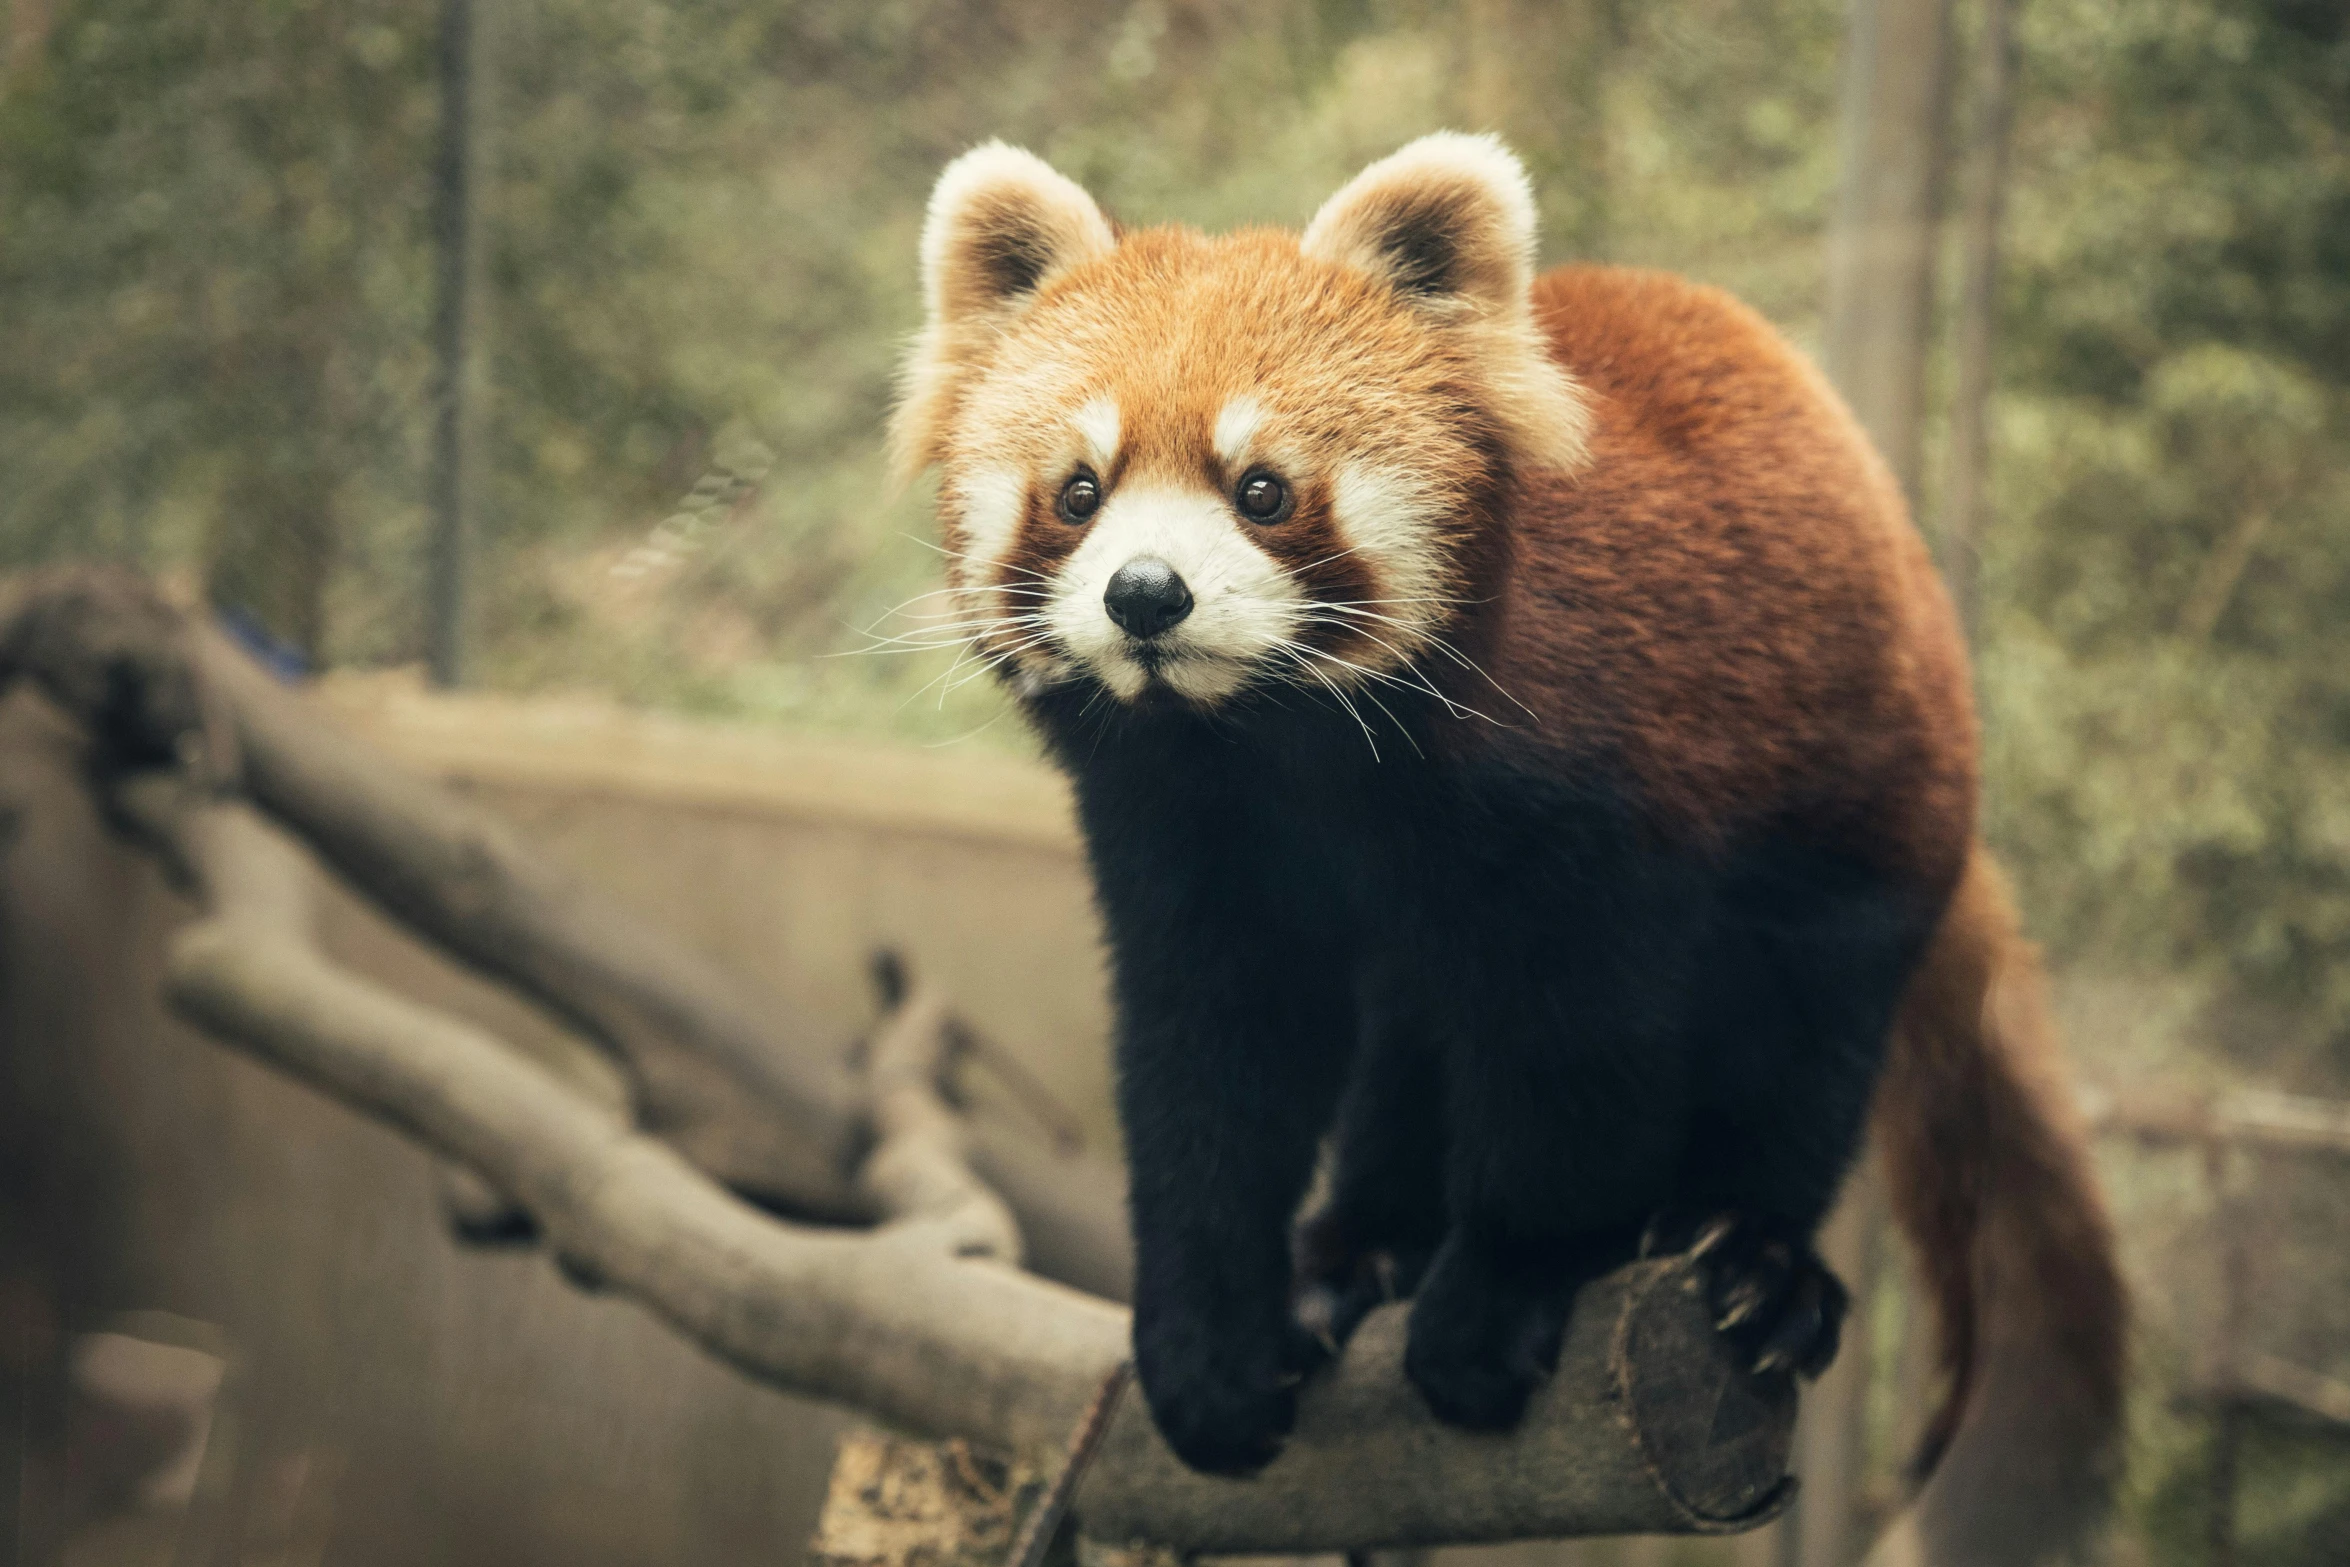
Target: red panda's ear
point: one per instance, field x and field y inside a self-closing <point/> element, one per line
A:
<point x="1001" y="223"/>
<point x="1448" y="221"/>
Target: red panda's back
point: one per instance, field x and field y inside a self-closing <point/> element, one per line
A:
<point x="1731" y="596"/>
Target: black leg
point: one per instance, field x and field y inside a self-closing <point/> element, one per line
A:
<point x="1491" y="1314"/>
<point x="1805" y="978"/>
<point x="1373" y="1239"/>
<point x="1224" y="1092"/>
<point x="1567" y="1092"/>
<point x="1236" y="1021"/>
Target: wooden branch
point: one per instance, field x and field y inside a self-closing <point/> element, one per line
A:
<point x="919" y="1167"/>
<point x="458" y="877"/>
<point x="747" y="1086"/>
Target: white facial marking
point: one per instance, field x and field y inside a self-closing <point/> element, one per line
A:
<point x="1097" y="422"/>
<point x="989" y="503"/>
<point x="1390" y="522"/>
<point x="1244" y="605"/>
<point x="1236" y="426"/>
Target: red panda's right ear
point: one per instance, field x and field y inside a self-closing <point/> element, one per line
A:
<point x="1001" y="223"/>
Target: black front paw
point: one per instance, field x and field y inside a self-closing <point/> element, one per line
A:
<point x="1224" y="1399"/>
<point x="1484" y="1334"/>
<point x="1772" y="1297"/>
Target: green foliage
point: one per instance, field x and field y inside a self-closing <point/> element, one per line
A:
<point x="2166" y="662"/>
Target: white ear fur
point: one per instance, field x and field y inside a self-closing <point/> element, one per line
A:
<point x="1448" y="219"/>
<point x="1448" y="222"/>
<point x="1001" y="223"/>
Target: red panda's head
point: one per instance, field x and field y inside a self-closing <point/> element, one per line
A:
<point x="1196" y="465"/>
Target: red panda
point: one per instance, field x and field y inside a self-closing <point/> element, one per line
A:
<point x="1520" y="738"/>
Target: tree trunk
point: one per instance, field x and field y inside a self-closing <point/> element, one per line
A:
<point x="455" y="239"/>
<point x="1882" y="241"/>
<point x="1881" y="252"/>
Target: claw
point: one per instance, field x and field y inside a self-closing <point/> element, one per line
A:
<point x="1774" y="1301"/>
<point x="1745" y="1301"/>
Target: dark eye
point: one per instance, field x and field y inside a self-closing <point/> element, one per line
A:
<point x="1081" y="497"/>
<point x="1262" y="498"/>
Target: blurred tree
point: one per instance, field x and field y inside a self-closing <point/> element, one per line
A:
<point x="214" y="254"/>
<point x="2167" y="669"/>
<point x="193" y="199"/>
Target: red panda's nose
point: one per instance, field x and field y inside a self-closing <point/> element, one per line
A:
<point x="1146" y="597"/>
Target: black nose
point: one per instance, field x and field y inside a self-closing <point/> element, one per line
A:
<point x="1146" y="597"/>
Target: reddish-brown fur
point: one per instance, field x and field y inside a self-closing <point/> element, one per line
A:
<point x="1988" y="1165"/>
<point x="1729" y="596"/>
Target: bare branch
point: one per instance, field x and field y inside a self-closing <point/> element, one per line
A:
<point x="460" y="878"/>
<point x="746" y="1086"/>
<point x="919" y="1168"/>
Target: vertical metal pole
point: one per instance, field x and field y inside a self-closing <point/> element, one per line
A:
<point x="453" y="237"/>
<point x="1966" y="475"/>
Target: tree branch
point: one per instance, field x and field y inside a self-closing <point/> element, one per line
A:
<point x="919" y="1167"/>
<point x="746" y="1085"/>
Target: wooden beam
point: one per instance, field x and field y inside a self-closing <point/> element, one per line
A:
<point x="2252" y="1118"/>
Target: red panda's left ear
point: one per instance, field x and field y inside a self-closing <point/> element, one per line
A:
<point x="1448" y="223"/>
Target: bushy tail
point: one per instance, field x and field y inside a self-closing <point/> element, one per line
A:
<point x="1990" y="1175"/>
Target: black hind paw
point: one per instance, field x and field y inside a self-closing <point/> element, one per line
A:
<point x="1771" y="1296"/>
<point x="1339" y="1285"/>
